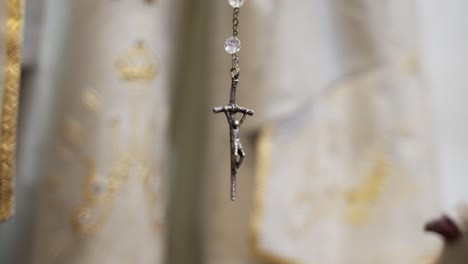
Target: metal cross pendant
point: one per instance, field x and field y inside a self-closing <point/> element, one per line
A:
<point x="230" y="110"/>
<point x="232" y="46"/>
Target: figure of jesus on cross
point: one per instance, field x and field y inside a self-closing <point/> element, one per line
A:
<point x="237" y="153"/>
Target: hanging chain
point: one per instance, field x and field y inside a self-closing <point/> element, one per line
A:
<point x="235" y="70"/>
<point x="235" y="21"/>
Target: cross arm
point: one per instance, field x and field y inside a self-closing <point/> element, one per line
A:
<point x="237" y="109"/>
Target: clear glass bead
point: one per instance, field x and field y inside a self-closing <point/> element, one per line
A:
<point x="236" y="3"/>
<point x="233" y="45"/>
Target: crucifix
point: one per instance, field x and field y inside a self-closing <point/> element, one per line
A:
<point x="233" y="46"/>
<point x="237" y="153"/>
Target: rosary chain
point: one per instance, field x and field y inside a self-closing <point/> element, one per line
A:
<point x="235" y="21"/>
<point x="235" y="70"/>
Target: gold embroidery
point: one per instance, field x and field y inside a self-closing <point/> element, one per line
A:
<point x="96" y="189"/>
<point x="368" y="192"/>
<point x="137" y="64"/>
<point x="90" y="100"/>
<point x="10" y="107"/>
<point x="85" y="222"/>
<point x="99" y="192"/>
<point x="359" y="199"/>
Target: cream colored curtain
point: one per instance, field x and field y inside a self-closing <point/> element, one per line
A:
<point x="11" y="26"/>
<point x="103" y="167"/>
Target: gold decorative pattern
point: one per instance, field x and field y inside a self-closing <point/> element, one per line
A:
<point x="367" y="193"/>
<point x="96" y="188"/>
<point x="99" y="191"/>
<point x="10" y="107"/>
<point x="90" y="100"/>
<point x="359" y="199"/>
<point x="85" y="222"/>
<point x="137" y="64"/>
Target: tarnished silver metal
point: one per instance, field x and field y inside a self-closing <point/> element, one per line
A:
<point x="230" y="110"/>
<point x="235" y="21"/>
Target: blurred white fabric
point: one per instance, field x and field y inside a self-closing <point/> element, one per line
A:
<point x="353" y="167"/>
<point x="360" y="114"/>
<point x="444" y="60"/>
<point x="103" y="68"/>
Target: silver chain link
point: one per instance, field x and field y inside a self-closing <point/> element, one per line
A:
<point x="235" y="70"/>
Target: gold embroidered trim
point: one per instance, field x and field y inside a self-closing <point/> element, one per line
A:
<point x="10" y="107"/>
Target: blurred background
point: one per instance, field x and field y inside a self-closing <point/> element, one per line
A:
<point x="358" y="138"/>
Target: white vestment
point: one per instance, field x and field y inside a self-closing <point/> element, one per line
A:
<point x="345" y="157"/>
<point x="104" y="69"/>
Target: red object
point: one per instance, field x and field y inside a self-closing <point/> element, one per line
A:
<point x="445" y="227"/>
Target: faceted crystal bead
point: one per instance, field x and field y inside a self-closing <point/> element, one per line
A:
<point x="233" y="45"/>
<point x="236" y="3"/>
